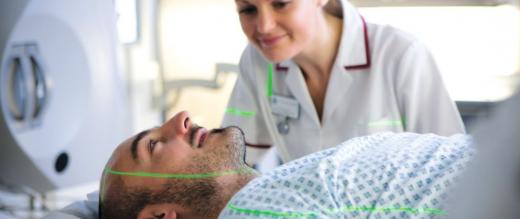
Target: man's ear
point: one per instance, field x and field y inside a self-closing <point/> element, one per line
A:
<point x="164" y="211"/>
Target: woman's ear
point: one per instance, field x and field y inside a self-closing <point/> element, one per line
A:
<point x="163" y="211"/>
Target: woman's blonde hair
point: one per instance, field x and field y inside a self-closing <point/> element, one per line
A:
<point x="334" y="7"/>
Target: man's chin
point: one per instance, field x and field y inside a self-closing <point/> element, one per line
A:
<point x="238" y="134"/>
<point x="237" y="139"/>
<point x="238" y="129"/>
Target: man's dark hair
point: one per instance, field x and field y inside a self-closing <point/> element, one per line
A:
<point x="118" y="201"/>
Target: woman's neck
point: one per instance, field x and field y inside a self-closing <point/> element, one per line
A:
<point x="317" y="59"/>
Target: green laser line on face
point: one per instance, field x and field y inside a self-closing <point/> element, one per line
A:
<point x="314" y="214"/>
<point x="243" y="170"/>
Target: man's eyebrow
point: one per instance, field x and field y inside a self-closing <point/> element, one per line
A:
<point x="135" y="143"/>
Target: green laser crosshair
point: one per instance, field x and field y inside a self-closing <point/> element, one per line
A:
<point x="243" y="170"/>
<point x="315" y="214"/>
<point x="269" y="89"/>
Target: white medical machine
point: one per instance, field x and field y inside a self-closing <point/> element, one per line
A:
<point x="63" y="97"/>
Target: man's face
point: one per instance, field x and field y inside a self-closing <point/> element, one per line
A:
<point x="163" y="166"/>
<point x="178" y="147"/>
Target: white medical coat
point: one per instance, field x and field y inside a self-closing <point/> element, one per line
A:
<point x="382" y="80"/>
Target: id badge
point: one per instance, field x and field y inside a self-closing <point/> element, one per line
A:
<point x="285" y="107"/>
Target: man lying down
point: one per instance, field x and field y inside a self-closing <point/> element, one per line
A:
<point x="181" y="170"/>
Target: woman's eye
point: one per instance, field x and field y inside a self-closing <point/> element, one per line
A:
<point x="151" y="145"/>
<point x="280" y="4"/>
<point x="247" y="10"/>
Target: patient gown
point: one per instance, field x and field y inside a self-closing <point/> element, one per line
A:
<point x="384" y="175"/>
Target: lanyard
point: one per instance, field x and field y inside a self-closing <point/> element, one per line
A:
<point x="270" y="70"/>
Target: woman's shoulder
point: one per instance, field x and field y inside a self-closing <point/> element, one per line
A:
<point x="390" y="33"/>
<point x="251" y="52"/>
<point x="389" y="41"/>
<point x="384" y="35"/>
<point x="252" y="58"/>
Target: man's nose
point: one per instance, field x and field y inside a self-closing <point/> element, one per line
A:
<point x="179" y="124"/>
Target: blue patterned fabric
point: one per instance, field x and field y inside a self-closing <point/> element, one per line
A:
<point x="384" y="175"/>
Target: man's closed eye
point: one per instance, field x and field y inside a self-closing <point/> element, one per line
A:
<point x="151" y="145"/>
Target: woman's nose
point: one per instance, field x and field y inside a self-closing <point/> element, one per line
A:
<point x="180" y="124"/>
<point x="265" y="22"/>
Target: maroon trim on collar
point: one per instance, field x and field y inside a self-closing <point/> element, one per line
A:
<point x="260" y="146"/>
<point x="367" y="50"/>
<point x="281" y="68"/>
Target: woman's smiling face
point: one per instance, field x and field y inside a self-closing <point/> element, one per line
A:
<point x="280" y="29"/>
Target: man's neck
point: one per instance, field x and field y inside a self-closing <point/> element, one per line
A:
<point x="231" y="184"/>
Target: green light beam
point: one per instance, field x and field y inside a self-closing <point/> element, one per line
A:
<point x="239" y="112"/>
<point x="385" y="123"/>
<point x="270" y="213"/>
<point x="242" y="170"/>
<point x="270" y="70"/>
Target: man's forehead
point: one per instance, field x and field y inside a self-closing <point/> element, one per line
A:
<point x="122" y="154"/>
<point x="125" y="145"/>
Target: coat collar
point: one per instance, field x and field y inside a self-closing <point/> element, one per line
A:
<point x="354" y="50"/>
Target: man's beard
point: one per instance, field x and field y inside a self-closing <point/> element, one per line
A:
<point x="204" y="196"/>
<point x="201" y="196"/>
<point x="232" y="154"/>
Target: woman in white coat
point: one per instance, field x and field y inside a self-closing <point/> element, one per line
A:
<point x="316" y="74"/>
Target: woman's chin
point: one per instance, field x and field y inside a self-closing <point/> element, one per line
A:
<point x="275" y="57"/>
<point x="275" y="53"/>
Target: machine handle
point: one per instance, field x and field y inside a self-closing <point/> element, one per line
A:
<point x="40" y="85"/>
<point x="16" y="93"/>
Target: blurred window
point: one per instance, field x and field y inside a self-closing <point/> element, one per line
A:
<point x="477" y="48"/>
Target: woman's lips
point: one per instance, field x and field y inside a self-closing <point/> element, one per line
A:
<point x="269" y="41"/>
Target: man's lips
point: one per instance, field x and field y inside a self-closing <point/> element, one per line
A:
<point x="199" y="136"/>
